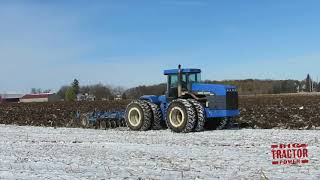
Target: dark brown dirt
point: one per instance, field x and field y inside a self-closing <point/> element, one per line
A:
<point x="288" y="111"/>
<point x="291" y="112"/>
<point x="52" y="114"/>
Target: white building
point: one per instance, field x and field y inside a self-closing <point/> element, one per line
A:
<point x="85" y="97"/>
<point x="118" y="97"/>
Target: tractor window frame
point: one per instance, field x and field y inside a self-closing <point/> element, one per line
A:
<point x="170" y="80"/>
<point x="196" y="78"/>
<point x="172" y="83"/>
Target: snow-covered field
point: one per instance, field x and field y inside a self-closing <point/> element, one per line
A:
<point x="70" y="153"/>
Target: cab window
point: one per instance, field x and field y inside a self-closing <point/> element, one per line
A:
<point x="194" y="78"/>
<point x="173" y="81"/>
<point x="186" y="82"/>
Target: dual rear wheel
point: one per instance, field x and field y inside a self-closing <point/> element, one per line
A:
<point x="142" y="115"/>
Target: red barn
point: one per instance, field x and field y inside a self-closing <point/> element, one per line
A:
<point x="42" y="97"/>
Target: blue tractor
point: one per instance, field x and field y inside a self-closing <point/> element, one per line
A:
<point x="188" y="105"/>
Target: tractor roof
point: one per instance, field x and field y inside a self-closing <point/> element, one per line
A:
<point x="175" y="71"/>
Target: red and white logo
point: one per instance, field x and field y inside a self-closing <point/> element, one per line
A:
<point x="289" y="154"/>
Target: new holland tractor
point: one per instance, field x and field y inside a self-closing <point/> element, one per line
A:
<point x="188" y="105"/>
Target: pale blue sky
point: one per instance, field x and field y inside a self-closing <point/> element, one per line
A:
<point x="46" y="44"/>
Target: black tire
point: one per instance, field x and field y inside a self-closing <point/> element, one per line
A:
<point x="156" y="116"/>
<point x="200" y="116"/>
<point x="181" y="108"/>
<point x="113" y="124"/>
<point x="138" y="115"/>
<point x="108" y="123"/>
<point x="84" y="120"/>
<point x="97" y="124"/>
<point x="123" y="123"/>
<point x="118" y="123"/>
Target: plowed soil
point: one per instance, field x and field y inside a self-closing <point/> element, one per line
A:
<point x="273" y="111"/>
<point x="287" y="111"/>
<point x="58" y="114"/>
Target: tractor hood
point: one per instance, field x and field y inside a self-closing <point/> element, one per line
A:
<point x="216" y="89"/>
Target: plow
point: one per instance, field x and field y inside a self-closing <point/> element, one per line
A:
<point x="188" y="105"/>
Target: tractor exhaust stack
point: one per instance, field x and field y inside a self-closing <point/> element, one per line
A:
<point x="179" y="81"/>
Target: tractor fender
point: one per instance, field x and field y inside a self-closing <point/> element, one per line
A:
<point x="151" y="98"/>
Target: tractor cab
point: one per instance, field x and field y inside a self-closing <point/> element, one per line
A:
<point x="181" y="78"/>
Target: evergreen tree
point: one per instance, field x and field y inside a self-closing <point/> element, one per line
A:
<point x="75" y="86"/>
<point x="308" y="84"/>
<point x="70" y="94"/>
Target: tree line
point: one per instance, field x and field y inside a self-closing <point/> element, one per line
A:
<point x="99" y="91"/>
<point x="245" y="87"/>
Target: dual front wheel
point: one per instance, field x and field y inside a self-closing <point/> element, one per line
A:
<point x="181" y="116"/>
<point x="186" y="115"/>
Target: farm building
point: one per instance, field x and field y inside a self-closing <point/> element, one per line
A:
<point x="42" y="97"/>
<point x="85" y="97"/>
<point x="118" y="97"/>
<point x="7" y="98"/>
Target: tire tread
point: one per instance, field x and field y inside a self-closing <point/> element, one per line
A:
<point x="200" y="116"/>
<point x="156" y="116"/>
<point x="190" y="110"/>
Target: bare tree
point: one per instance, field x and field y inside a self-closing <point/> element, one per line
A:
<point x="62" y="92"/>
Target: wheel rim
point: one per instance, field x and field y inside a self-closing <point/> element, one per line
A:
<point x="176" y="116"/>
<point x="134" y="116"/>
